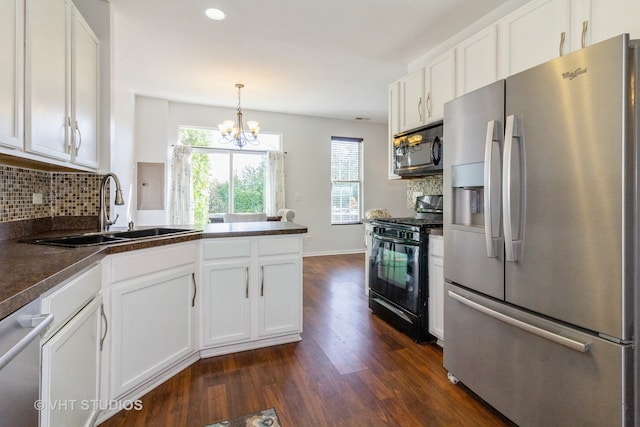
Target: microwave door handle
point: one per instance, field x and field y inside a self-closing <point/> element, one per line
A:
<point x="492" y="137"/>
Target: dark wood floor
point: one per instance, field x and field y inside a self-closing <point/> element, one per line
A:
<point x="350" y="369"/>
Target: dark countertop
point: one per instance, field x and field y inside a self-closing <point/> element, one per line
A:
<point x="29" y="270"/>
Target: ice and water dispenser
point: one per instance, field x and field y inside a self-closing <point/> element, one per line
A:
<point x="467" y="182"/>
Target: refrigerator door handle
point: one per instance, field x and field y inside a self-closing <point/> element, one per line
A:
<point x="512" y="247"/>
<point x="492" y="137"/>
<point x="582" y="347"/>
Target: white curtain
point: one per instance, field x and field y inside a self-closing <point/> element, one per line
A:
<point x="275" y="182"/>
<point x="181" y="204"/>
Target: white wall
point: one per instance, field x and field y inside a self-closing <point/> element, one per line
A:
<point x="307" y="143"/>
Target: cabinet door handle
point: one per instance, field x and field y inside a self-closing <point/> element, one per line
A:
<point x="583" y="39"/>
<point x="420" y="108"/>
<point x="195" y="289"/>
<point x="72" y="135"/>
<point x="77" y="129"/>
<point x="106" y="326"/>
<point x="562" y="37"/>
<point x="246" y="279"/>
<point x="262" y="280"/>
<point x="428" y="104"/>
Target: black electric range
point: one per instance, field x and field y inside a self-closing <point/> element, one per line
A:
<point x="398" y="265"/>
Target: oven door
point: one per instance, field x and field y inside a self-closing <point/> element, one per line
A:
<point x="394" y="271"/>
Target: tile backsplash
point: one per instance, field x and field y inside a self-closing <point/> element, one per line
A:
<point x="63" y="194"/>
<point x="427" y="185"/>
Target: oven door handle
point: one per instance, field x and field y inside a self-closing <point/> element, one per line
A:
<point x="397" y="241"/>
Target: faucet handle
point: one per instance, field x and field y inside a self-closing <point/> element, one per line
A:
<point x="114" y="220"/>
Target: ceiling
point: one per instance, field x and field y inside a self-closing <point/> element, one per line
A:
<point x="329" y="58"/>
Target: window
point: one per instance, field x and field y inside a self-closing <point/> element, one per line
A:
<point x="225" y="178"/>
<point x="346" y="180"/>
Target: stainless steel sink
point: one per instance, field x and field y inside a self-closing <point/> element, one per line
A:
<point x="148" y="232"/>
<point x="93" y="239"/>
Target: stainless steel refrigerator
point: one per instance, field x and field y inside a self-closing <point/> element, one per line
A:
<point x="541" y="240"/>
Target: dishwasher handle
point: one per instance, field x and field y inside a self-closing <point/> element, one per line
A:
<point x="39" y="324"/>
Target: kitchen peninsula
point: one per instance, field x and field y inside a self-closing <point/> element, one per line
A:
<point x="138" y="312"/>
<point x="28" y="271"/>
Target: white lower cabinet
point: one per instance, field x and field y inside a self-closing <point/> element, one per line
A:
<point x="247" y="294"/>
<point x="280" y="296"/>
<point x="252" y="293"/>
<point x="153" y="300"/>
<point x="436" y="287"/>
<point x="71" y="353"/>
<point x="226" y="303"/>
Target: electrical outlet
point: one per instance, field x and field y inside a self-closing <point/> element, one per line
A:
<point x="37" y="198"/>
<point x="297" y="197"/>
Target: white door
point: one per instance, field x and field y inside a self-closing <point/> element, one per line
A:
<point x="280" y="296"/>
<point x="47" y="78"/>
<point x="152" y="319"/>
<point x="610" y="18"/>
<point x="477" y="61"/>
<point x="436" y="287"/>
<point x="394" y="124"/>
<point x="85" y="89"/>
<point x="71" y="371"/>
<point x="412" y="100"/>
<point x="226" y="303"/>
<point x="534" y="34"/>
<point x="11" y="72"/>
<point x="441" y="84"/>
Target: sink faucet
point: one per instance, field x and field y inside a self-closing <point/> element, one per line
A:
<point x="104" y="222"/>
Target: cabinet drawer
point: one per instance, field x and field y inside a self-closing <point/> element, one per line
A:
<point x="146" y="261"/>
<point x="278" y="245"/>
<point x="232" y="248"/>
<point x="436" y="246"/>
<point x="69" y="298"/>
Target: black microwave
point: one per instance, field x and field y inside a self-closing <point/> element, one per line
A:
<point x="418" y="152"/>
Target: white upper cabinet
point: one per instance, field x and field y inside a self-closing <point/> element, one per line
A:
<point x="47" y="78"/>
<point x="393" y="124"/>
<point x="412" y="100"/>
<point x="610" y="18"/>
<point x="424" y="92"/>
<point x="85" y="86"/>
<point x="477" y="61"/>
<point x="47" y="83"/>
<point x="61" y="83"/>
<point x="11" y="72"/>
<point x="440" y="85"/>
<point x="534" y="34"/>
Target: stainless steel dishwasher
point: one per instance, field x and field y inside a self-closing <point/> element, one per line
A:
<point x="20" y="364"/>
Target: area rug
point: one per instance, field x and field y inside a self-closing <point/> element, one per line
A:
<point x="265" y="418"/>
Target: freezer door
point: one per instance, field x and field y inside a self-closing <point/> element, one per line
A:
<point x="568" y="189"/>
<point x="536" y="372"/>
<point x="473" y="136"/>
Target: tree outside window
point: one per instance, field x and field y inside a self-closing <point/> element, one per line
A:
<point x="226" y="180"/>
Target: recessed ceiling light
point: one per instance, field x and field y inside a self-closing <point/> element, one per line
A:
<point x="215" y="14"/>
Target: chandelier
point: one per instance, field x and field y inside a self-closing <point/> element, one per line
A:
<point x="231" y="131"/>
